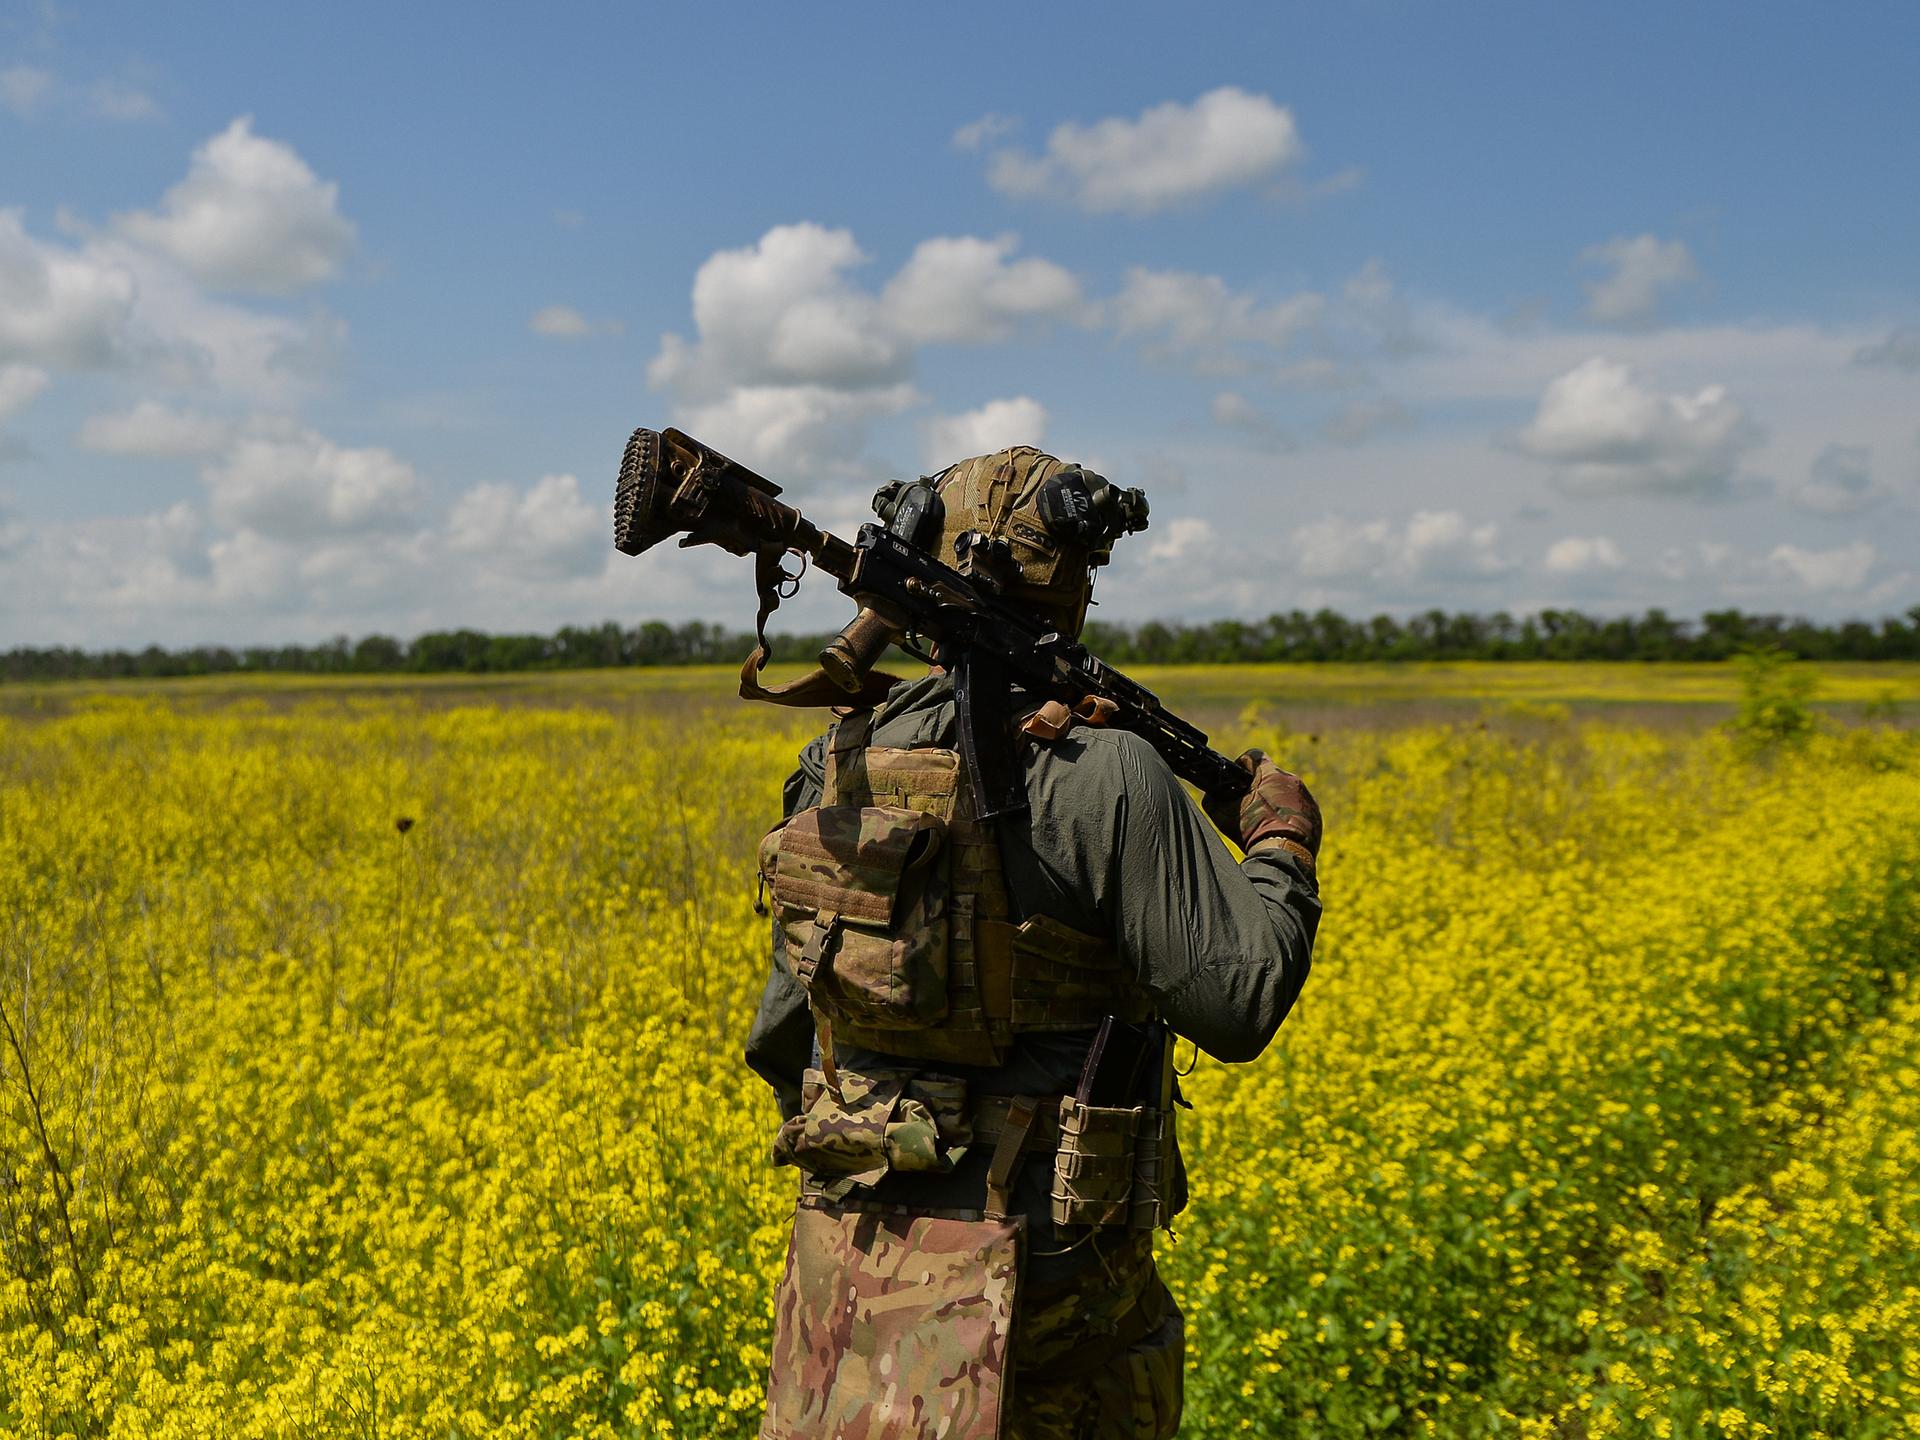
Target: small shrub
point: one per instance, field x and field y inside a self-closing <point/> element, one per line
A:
<point x="1774" y="701"/>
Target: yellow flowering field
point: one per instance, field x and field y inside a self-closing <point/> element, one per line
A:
<point x="370" y="1066"/>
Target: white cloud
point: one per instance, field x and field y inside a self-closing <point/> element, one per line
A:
<point x="782" y="312"/>
<point x="153" y="430"/>
<point x="961" y="288"/>
<point x="1169" y="155"/>
<point x="1433" y="546"/>
<point x="1358" y="421"/>
<point x="780" y="429"/>
<point x="1583" y="555"/>
<point x="1605" y="432"/>
<point x="979" y="133"/>
<point x="563" y="322"/>
<point x="548" y="532"/>
<point x="1899" y="351"/>
<point x="1201" y="319"/>
<point x="294" y="484"/>
<point x="20" y="386"/>
<point x="250" y="215"/>
<point x="1839" y="482"/>
<point x="23" y="88"/>
<point x="996" y="425"/>
<point x="1643" y="266"/>
<point x="180" y="335"/>
<point x="1843" y="568"/>
<point x="61" y="308"/>
<point x="794" y="361"/>
<point x="1185" y="539"/>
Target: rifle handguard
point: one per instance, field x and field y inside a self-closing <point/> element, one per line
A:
<point x="851" y="654"/>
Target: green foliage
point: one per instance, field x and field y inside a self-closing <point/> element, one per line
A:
<point x="1291" y="636"/>
<point x="1775" y="708"/>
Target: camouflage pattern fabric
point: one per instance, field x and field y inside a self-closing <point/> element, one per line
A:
<point x="864" y="910"/>
<point x="1278" y="807"/>
<point x="877" y="1121"/>
<point x="1108" y="1169"/>
<point x="892" y="1327"/>
<point x="1101" y="1358"/>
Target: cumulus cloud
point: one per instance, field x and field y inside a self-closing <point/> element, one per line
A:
<point x="547" y="532"/>
<point x="1641" y="268"/>
<point x="1899" y="351"/>
<point x="794" y="360"/>
<point x="1605" y="432"/>
<point x="65" y="309"/>
<point x="996" y="425"/>
<point x="1839" y="482"/>
<point x="563" y="322"/>
<point x="250" y="216"/>
<point x="1432" y="547"/>
<point x="782" y="311"/>
<point x="1583" y="555"/>
<point x="787" y="427"/>
<point x="1841" y="569"/>
<point x="1168" y="155"/>
<point x="24" y="88"/>
<point x="961" y="288"/>
<point x="153" y="430"/>
<point x="288" y="483"/>
<point x="1202" y="320"/>
<point x="977" y="134"/>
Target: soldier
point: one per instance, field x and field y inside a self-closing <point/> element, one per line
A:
<point x="966" y="1027"/>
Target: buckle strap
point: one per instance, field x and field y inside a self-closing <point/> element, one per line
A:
<point x="1021" y="1110"/>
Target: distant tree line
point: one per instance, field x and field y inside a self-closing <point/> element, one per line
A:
<point x="1296" y="635"/>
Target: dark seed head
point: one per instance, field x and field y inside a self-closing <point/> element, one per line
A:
<point x="403" y="824"/>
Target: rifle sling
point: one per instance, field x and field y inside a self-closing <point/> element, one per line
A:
<point x="813" y="689"/>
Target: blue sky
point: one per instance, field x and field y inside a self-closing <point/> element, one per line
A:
<point x="334" y="319"/>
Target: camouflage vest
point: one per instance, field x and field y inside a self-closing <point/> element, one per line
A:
<point x="894" y="907"/>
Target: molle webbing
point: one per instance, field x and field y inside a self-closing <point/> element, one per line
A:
<point x="1003" y="977"/>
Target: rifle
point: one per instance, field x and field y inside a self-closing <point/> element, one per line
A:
<point x="671" y="484"/>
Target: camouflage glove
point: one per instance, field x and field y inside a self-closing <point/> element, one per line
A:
<point x="1278" y="808"/>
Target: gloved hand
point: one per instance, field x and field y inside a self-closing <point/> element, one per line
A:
<point x="1278" y="806"/>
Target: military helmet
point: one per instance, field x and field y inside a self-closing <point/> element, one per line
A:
<point x="1033" y="524"/>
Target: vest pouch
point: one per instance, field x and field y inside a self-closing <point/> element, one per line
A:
<point x="879" y="1121"/>
<point x="1108" y="1169"/>
<point x="893" y="1326"/>
<point x="862" y="905"/>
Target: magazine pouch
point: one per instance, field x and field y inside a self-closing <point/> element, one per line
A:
<point x="1109" y="1169"/>
<point x="862" y="907"/>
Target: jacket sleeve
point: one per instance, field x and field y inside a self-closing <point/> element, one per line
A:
<point x="1223" y="948"/>
<point x="780" y="1044"/>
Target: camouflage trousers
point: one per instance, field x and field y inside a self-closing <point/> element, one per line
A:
<point x="1101" y="1357"/>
